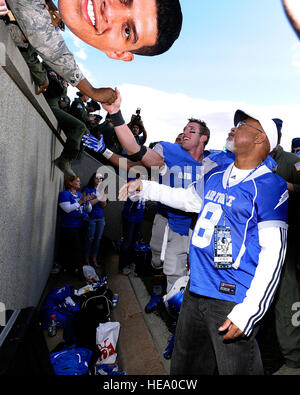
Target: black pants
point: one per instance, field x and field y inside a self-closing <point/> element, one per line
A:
<point x="199" y="347"/>
<point x="71" y="254"/>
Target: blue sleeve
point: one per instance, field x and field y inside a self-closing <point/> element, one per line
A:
<point x="272" y="201"/>
<point x="63" y="196"/>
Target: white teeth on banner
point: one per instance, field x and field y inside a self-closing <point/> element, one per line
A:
<point x="90" y="10"/>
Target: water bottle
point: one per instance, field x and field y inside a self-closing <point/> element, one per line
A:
<point x="52" y="328"/>
<point x="115" y="300"/>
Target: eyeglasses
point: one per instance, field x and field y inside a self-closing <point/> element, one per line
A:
<point x="243" y="123"/>
<point x="99" y="178"/>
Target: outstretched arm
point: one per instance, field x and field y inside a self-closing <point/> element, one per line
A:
<point x="127" y="140"/>
<point x="50" y="45"/>
<point x="292" y="10"/>
<point x="102" y="95"/>
<point x="99" y="146"/>
<point x="183" y="199"/>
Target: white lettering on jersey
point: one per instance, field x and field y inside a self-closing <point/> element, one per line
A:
<point x="219" y="197"/>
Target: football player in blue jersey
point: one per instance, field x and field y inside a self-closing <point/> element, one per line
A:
<point x="232" y="284"/>
<point x="180" y="165"/>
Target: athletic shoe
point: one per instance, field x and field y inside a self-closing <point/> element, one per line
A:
<point x="107" y="370"/>
<point x="169" y="348"/>
<point x="153" y="303"/>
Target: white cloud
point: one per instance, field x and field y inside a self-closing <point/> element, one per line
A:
<point x="296" y="55"/>
<point x="81" y="54"/>
<point x="165" y="114"/>
<point x="87" y="73"/>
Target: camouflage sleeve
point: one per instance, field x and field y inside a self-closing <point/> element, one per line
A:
<point x="35" y="22"/>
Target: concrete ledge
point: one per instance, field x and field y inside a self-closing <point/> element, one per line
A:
<point x="17" y="69"/>
<point x="29" y="181"/>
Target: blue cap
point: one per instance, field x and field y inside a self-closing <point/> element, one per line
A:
<point x="278" y="123"/>
<point x="95" y="105"/>
<point x="296" y="142"/>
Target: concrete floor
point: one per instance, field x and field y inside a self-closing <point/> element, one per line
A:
<point x="143" y="337"/>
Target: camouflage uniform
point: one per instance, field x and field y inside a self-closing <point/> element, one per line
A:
<point x="79" y="110"/>
<point x="73" y="128"/>
<point x="35" y="22"/>
<point x="38" y="72"/>
<point x="288" y="292"/>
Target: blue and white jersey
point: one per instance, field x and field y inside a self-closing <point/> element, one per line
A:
<point x="97" y="211"/>
<point x="133" y="211"/>
<point x="74" y="218"/>
<point x="181" y="170"/>
<point x="258" y="201"/>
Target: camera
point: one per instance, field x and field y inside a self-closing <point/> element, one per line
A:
<point x="138" y="114"/>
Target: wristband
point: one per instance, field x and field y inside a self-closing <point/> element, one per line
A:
<point x="117" y="119"/>
<point x="107" y="153"/>
<point x="138" y="155"/>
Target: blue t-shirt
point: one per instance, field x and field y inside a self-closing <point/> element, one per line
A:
<point x="261" y="199"/>
<point x="134" y="211"/>
<point x="75" y="218"/>
<point x="97" y="211"/>
<point x="182" y="170"/>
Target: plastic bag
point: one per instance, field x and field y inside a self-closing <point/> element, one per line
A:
<point x="107" y="335"/>
<point x="90" y="274"/>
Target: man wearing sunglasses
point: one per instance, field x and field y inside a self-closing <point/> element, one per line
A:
<point x="231" y="284"/>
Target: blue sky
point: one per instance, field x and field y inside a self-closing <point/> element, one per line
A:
<point x="230" y="53"/>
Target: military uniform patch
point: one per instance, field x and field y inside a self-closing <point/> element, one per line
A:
<point x="297" y="166"/>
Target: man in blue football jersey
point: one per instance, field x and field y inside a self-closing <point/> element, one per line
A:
<point x="232" y="283"/>
<point x="180" y="165"/>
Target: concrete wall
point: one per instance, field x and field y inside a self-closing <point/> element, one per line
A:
<point x="29" y="182"/>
